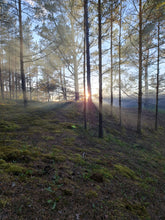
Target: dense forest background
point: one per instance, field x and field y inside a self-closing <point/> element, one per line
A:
<point x="46" y="48"/>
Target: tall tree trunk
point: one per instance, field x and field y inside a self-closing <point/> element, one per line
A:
<point x="9" y="75"/>
<point x="88" y="53"/>
<point x="1" y="79"/>
<point x="76" y="85"/>
<point x="30" y="85"/>
<point x="16" y="85"/>
<point x="120" y="62"/>
<point x="84" y="77"/>
<point x="76" y="77"/>
<point x="111" y="53"/>
<point x="157" y="83"/>
<point x="64" y="83"/>
<point x="37" y="85"/>
<point x="146" y="79"/>
<point x="140" y="70"/>
<point x="21" y="55"/>
<point x="13" y="84"/>
<point x="100" y="73"/>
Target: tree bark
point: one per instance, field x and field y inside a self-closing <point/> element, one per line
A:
<point x="84" y="77"/>
<point x="140" y="70"/>
<point x="146" y="79"/>
<point x="120" y="63"/>
<point x="111" y="53"/>
<point x="62" y="85"/>
<point x="100" y="73"/>
<point x="21" y="56"/>
<point x="9" y="74"/>
<point x="88" y="53"/>
<point x="157" y="83"/>
<point x="1" y="80"/>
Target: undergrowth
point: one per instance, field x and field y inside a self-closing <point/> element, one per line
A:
<point x="51" y="168"/>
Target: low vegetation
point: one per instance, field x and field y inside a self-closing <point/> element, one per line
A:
<point x="51" y="168"/>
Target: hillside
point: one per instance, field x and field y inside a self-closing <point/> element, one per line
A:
<point x="51" y="168"/>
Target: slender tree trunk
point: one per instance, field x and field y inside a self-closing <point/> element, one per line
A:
<point x="30" y="84"/>
<point x="76" y="77"/>
<point x="88" y="53"/>
<point x="16" y="85"/>
<point x="15" y="75"/>
<point x="75" y="60"/>
<point x="84" y="77"/>
<point x="1" y="79"/>
<point x="100" y="73"/>
<point x="146" y="79"/>
<point x="111" y="46"/>
<point x="21" y="56"/>
<point x="64" y="83"/>
<point x="9" y="66"/>
<point x="13" y="84"/>
<point x="37" y="86"/>
<point x="120" y="62"/>
<point x="140" y="70"/>
<point x="1" y="67"/>
<point x="157" y="83"/>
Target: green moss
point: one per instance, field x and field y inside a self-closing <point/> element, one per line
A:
<point x="10" y="168"/>
<point x="15" y="169"/>
<point x="137" y="209"/>
<point x="125" y="171"/>
<point x="48" y="138"/>
<point x="9" y="153"/>
<point x="78" y="159"/>
<point x="106" y="173"/>
<point x="8" y="126"/>
<point x="91" y="194"/>
<point x="54" y="156"/>
<point x="68" y="141"/>
<point x="2" y="161"/>
<point x="3" y="165"/>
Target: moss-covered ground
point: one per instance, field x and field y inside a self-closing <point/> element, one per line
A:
<point x="51" y="168"/>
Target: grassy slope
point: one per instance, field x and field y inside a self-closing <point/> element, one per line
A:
<point x="50" y="168"/>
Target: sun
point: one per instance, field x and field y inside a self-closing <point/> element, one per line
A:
<point x="87" y="95"/>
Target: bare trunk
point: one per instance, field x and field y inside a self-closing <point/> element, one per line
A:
<point x="62" y="85"/>
<point x="84" y="77"/>
<point x="1" y="80"/>
<point x="75" y="62"/>
<point x="9" y="75"/>
<point x="13" y="85"/>
<point x="120" y="63"/>
<point x="88" y="54"/>
<point x="146" y="80"/>
<point x="21" y="56"/>
<point x="64" y="82"/>
<point x="30" y="84"/>
<point x="140" y="70"/>
<point x="76" y="78"/>
<point x="100" y="73"/>
<point x="157" y="84"/>
<point x="16" y="85"/>
<point x="111" y="59"/>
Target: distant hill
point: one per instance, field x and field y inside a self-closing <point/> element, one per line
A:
<point x="133" y="102"/>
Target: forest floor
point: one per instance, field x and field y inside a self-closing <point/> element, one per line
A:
<point x="53" y="169"/>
